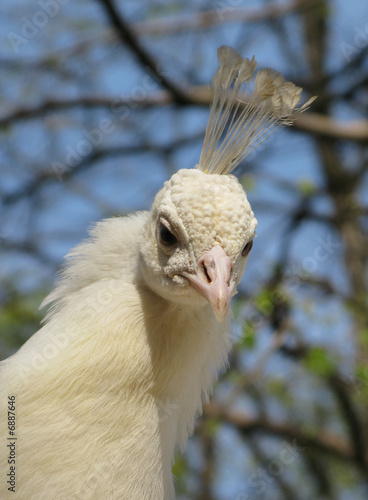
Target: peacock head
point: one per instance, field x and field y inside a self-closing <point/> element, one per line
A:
<point x="199" y="235"/>
<point x="201" y="227"/>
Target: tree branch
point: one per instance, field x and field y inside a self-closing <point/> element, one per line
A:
<point x="323" y="441"/>
<point x="353" y="423"/>
<point x="128" y="37"/>
<point x="66" y="172"/>
<point x="325" y="126"/>
<point x="201" y="95"/>
<point x="220" y="16"/>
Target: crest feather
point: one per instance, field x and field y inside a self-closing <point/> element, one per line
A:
<point x="245" y="110"/>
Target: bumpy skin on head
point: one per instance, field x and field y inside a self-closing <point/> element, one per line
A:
<point x="202" y="211"/>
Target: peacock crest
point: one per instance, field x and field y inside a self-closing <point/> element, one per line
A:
<point x="246" y="108"/>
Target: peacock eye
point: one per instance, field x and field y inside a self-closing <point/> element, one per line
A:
<point x="166" y="236"/>
<point x="247" y="248"/>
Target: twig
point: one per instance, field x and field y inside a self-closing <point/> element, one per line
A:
<point x="323" y="441"/>
<point x="312" y="123"/>
<point x="210" y="18"/>
<point x="128" y="37"/>
<point x="353" y="423"/>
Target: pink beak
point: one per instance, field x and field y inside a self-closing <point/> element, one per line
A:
<point x="212" y="280"/>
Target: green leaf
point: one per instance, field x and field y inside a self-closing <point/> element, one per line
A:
<point x="363" y="337"/>
<point x="307" y="187"/>
<point x="248" y="182"/>
<point x="249" y="336"/>
<point x="179" y="467"/>
<point x="212" y="426"/>
<point x="319" y="361"/>
<point x="19" y="319"/>
<point x="263" y="302"/>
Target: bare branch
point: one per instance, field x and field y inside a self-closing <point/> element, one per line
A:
<point x="323" y="441"/>
<point x="66" y="173"/>
<point x="128" y="37"/>
<point x="219" y="16"/>
<point x="201" y="95"/>
<point x="288" y="493"/>
<point x="353" y="423"/>
<point x="93" y="102"/>
<point x="28" y="248"/>
<point x="326" y="126"/>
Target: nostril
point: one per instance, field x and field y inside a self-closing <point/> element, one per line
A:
<point x="205" y="272"/>
<point x="230" y="274"/>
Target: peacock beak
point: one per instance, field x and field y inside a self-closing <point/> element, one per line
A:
<point x="213" y="280"/>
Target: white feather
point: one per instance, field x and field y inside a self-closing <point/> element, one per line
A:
<point x="245" y="110"/>
<point x="113" y="381"/>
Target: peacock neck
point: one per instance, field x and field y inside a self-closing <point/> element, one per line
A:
<point x="185" y="360"/>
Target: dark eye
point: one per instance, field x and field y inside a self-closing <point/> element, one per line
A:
<point x="166" y="236"/>
<point x="247" y="248"/>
